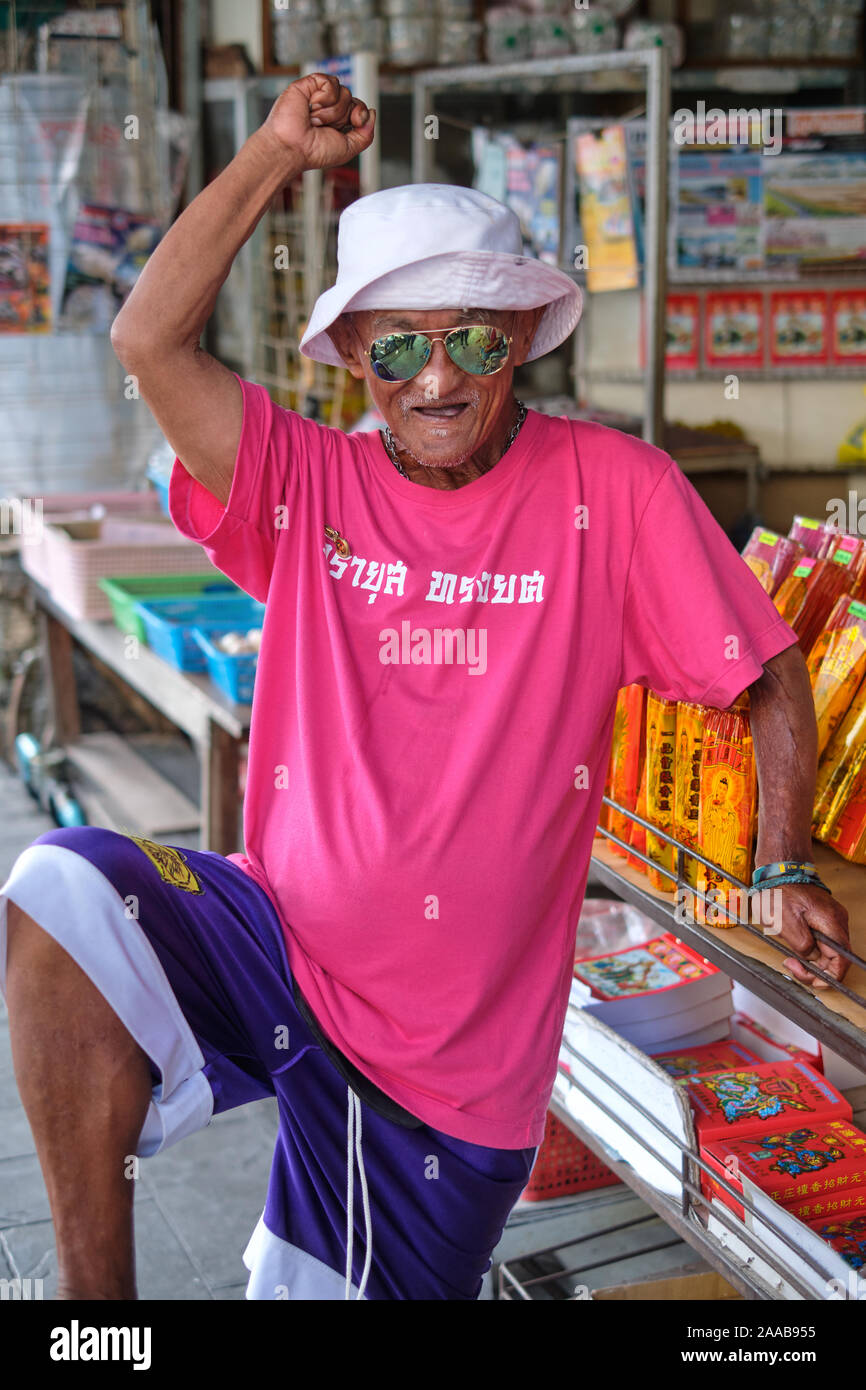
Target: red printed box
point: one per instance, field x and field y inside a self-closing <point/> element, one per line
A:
<point x="769" y="1098"/>
<point x="702" y="1061"/>
<point x="846" y="1234"/>
<point x="795" y="1167"/>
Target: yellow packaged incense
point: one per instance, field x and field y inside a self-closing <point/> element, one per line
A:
<point x="842" y="668"/>
<point x="790" y="597"/>
<point x="839" y="763"/>
<point x="661" y="733"/>
<point x="835" y="619"/>
<point x="726" y="825"/>
<point x="625" y="763"/>
<point x="847" y="835"/>
<point x="637" y="834"/>
<point x="604" y="811"/>
<point x="687" y="787"/>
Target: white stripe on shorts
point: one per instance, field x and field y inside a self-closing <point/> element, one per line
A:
<point x="279" y="1270"/>
<point x="71" y="899"/>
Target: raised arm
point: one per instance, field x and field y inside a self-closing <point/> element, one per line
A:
<point x="314" y="124"/>
<point x="786" y="741"/>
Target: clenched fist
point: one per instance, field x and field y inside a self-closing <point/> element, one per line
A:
<point x="320" y="120"/>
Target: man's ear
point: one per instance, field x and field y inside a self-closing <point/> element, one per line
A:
<point x="342" y="334"/>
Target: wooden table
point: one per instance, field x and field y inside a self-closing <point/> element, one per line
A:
<point x="216" y="725"/>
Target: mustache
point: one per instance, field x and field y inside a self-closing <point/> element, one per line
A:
<point x="410" y="403"/>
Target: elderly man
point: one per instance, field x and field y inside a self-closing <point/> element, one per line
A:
<point x="451" y="607"/>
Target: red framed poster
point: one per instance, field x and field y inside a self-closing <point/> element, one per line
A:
<point x="799" y="329"/>
<point x="734" y="329"/>
<point x="848" y="327"/>
<point x="25" y="281"/>
<point x="682" y="332"/>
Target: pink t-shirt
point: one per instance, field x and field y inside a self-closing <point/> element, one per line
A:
<point x="432" y="722"/>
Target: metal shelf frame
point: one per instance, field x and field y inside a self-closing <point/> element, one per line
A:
<point x="790" y="998"/>
<point x="682" y="1218"/>
<point x="653" y="64"/>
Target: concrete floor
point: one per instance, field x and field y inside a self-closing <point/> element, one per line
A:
<point x="198" y="1202"/>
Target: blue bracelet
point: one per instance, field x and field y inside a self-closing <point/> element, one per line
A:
<point x="782" y="870"/>
<point x="782" y="879"/>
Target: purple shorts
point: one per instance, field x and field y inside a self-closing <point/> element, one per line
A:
<point x="188" y="951"/>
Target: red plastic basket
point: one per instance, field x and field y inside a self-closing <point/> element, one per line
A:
<point x="564" y="1166"/>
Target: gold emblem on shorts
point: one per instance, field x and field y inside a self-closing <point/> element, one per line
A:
<point x="170" y="864"/>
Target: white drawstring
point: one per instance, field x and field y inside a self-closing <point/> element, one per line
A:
<point x="353" y="1149"/>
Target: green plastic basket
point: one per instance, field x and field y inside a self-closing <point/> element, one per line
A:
<point x="125" y="591"/>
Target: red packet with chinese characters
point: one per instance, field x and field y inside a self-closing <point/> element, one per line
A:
<point x="769" y="1098"/>
<point x="797" y="1167"/>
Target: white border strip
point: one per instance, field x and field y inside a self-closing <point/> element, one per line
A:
<point x="71" y="899"/>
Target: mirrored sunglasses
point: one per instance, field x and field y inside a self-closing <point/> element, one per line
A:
<point x="478" y="349"/>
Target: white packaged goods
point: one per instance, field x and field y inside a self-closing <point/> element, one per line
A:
<point x="411" y="40"/>
<point x="837" y="36"/>
<point x="594" y="31"/>
<point x="548" y="7"/>
<point x="336" y="10"/>
<point x="745" y="35"/>
<point x="509" y="36"/>
<point x="618" y="8"/>
<point x="295" y="39"/>
<point x="459" y="40"/>
<point x="406" y="8"/>
<point x="356" y="35"/>
<point x="642" y="33"/>
<point x="301" y="9"/>
<point x="550" y="36"/>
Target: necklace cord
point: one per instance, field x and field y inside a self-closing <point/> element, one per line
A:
<point x="391" y="448"/>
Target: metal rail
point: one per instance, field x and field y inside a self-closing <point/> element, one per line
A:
<point x="508" y="1278"/>
<point x="783" y="993"/>
<point x="692" y="1195"/>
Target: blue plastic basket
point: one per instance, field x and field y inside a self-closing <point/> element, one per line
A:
<point x="170" y="623"/>
<point x="160" y="482"/>
<point x="235" y="675"/>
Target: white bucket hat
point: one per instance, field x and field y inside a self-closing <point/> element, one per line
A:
<point x="438" y="246"/>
